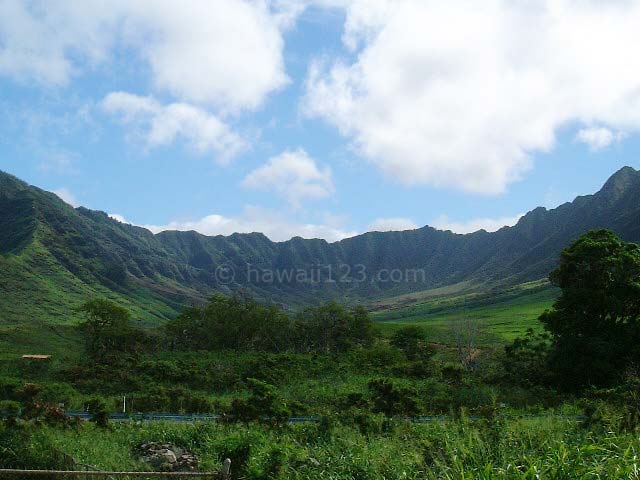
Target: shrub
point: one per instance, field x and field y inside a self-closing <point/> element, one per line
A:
<point x="10" y="410"/>
<point x="378" y="358"/>
<point x="263" y="404"/>
<point x="526" y="360"/>
<point x="452" y="373"/>
<point x="411" y="340"/>
<point x="98" y="409"/>
<point x="392" y="399"/>
<point x="177" y="399"/>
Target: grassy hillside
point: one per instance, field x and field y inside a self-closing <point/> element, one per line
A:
<point x="53" y="257"/>
<point x="501" y="315"/>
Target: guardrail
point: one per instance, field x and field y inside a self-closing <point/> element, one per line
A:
<point x="177" y="417"/>
<point x="171" y="417"/>
<point x="201" y="417"/>
<point x="100" y="474"/>
<point x="223" y="474"/>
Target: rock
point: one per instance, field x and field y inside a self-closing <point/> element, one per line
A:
<point x="167" y="457"/>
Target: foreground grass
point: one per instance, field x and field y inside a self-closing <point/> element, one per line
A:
<point x="373" y="447"/>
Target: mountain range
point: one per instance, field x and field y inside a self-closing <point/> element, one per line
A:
<point x="53" y="257"/>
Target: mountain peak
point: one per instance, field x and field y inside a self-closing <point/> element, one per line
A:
<point x="9" y="184"/>
<point x="620" y="182"/>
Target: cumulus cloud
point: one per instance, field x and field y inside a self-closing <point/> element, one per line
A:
<point x="461" y="94"/>
<point x="598" y="138"/>
<point x="162" y="125"/>
<point x="391" y="224"/>
<point x="38" y="39"/>
<point x="294" y="175"/>
<point x="254" y="219"/>
<point x="443" y="222"/>
<point x="226" y="53"/>
<point x="67" y="196"/>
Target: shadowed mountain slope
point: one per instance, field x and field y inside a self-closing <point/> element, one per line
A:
<point x="53" y="257"/>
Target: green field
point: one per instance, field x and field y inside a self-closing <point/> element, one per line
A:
<point x="500" y="316"/>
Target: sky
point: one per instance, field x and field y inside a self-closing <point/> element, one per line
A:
<point x="318" y="118"/>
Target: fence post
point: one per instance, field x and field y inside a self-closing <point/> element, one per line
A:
<point x="226" y="468"/>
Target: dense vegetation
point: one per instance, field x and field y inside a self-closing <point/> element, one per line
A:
<point x="561" y="401"/>
<point x="519" y="448"/>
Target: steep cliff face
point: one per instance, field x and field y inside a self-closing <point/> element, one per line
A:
<point x="81" y="252"/>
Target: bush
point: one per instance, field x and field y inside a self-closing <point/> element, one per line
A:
<point x="16" y="450"/>
<point x="264" y="404"/>
<point x="526" y="360"/>
<point x="9" y="409"/>
<point x="392" y="399"/>
<point x="452" y="373"/>
<point x="178" y="399"/>
<point x="98" y="409"/>
<point x="615" y="409"/>
<point x="378" y="358"/>
<point x="46" y="413"/>
<point x="411" y="340"/>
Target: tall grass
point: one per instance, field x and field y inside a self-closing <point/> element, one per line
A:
<point x="539" y="448"/>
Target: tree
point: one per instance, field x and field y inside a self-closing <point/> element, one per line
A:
<point x="108" y="329"/>
<point x="595" y="323"/>
<point x="465" y="335"/>
<point x="333" y="328"/>
<point x="237" y="322"/>
<point x="526" y="360"/>
<point x="411" y="340"/>
<point x="264" y="404"/>
<point x="240" y="323"/>
<point x="392" y="399"/>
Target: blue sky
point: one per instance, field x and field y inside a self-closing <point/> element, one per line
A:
<point x="318" y="118"/>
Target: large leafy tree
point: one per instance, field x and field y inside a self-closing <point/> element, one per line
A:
<point x="108" y="330"/>
<point x="595" y="323"/>
<point x="235" y="323"/>
<point x="333" y="328"/>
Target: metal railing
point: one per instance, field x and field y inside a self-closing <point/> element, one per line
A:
<point x="224" y="474"/>
<point x="100" y="474"/>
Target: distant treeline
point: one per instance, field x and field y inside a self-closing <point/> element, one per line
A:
<point x="240" y="323"/>
<point x="228" y="323"/>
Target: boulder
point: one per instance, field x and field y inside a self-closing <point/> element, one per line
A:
<point x="167" y="457"/>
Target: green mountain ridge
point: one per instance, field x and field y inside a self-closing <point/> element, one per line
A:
<point x="53" y="257"/>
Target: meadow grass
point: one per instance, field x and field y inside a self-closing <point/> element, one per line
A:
<point x="501" y="321"/>
<point x="526" y="448"/>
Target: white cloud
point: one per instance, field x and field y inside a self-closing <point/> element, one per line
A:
<point x="38" y="39"/>
<point x="119" y="218"/>
<point x="461" y="93"/>
<point x="227" y="53"/>
<point x="67" y="196"/>
<point x="443" y="222"/>
<point x="255" y="219"/>
<point x="162" y="125"/>
<point x="294" y="175"/>
<point x="598" y="138"/>
<point x="391" y="224"/>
